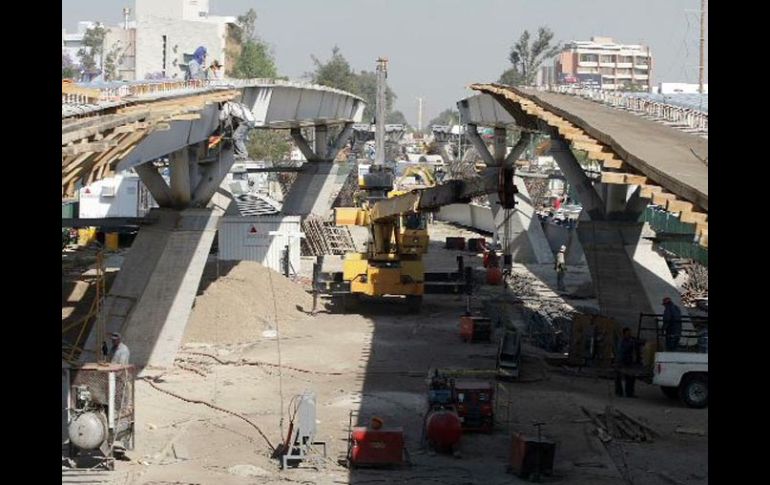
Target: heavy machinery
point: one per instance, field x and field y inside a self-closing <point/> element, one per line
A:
<point x="99" y="400"/>
<point x="375" y="446"/>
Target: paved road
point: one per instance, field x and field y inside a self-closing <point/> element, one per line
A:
<point x="662" y="153"/>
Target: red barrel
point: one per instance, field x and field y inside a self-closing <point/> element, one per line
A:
<point x="443" y="429"/>
<point x="494" y="275"/>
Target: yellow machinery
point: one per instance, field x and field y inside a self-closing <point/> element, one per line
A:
<point x="392" y="263"/>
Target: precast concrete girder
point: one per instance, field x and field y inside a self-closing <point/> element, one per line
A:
<point x="180" y="134"/>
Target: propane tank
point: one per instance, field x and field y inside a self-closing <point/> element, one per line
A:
<point x="494" y="275"/>
<point x="88" y="430"/>
<point x="443" y="429"/>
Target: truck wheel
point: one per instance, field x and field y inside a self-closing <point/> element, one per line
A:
<point x="694" y="391"/>
<point x="670" y="392"/>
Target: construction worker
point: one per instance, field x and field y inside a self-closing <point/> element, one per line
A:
<point x="196" y="67"/>
<point x="624" y="363"/>
<point x="561" y="267"/>
<point x="119" y="353"/>
<point x="672" y="324"/>
<point x="214" y="70"/>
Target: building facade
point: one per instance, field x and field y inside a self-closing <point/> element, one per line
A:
<point x="159" y="43"/>
<point x="604" y="64"/>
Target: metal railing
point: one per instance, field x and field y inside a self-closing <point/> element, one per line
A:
<point x="691" y="118"/>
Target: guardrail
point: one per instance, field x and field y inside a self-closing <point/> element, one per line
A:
<point x="680" y="115"/>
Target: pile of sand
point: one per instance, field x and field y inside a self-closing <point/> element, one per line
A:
<point x="239" y="306"/>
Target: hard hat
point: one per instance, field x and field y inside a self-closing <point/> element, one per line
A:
<point x="377" y="422"/>
<point x="115" y="335"/>
<point x="563" y="248"/>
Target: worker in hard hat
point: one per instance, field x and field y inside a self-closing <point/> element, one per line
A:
<point x="672" y="324"/>
<point x="561" y="267"/>
<point x="376" y="423"/>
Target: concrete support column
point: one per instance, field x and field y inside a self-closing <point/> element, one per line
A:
<point x="155" y="183"/>
<point x="480" y="146"/>
<point x="499" y="146"/>
<point x="181" y="192"/>
<point x="321" y="141"/>
<point x="592" y="204"/>
<point x="211" y="177"/>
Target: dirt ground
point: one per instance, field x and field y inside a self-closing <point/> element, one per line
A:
<point x="375" y="364"/>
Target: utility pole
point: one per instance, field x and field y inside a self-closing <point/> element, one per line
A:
<point x="379" y="132"/>
<point x="126" y="13"/>
<point x="419" y="114"/>
<point x="702" y="44"/>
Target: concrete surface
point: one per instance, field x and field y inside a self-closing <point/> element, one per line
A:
<point x="669" y="160"/>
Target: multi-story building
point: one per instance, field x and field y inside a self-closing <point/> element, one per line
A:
<point x="604" y="64"/>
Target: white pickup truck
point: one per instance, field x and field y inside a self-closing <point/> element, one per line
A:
<point x="683" y="375"/>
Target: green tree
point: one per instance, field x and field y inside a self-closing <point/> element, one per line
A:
<point x="396" y="117"/>
<point x="335" y="73"/>
<point x="447" y="117"/>
<point x="93" y="49"/>
<point x="367" y="89"/>
<point x="270" y="145"/>
<point x="248" y="25"/>
<point x="527" y="57"/>
<point x="68" y="70"/>
<point x="255" y="61"/>
<point x="112" y="61"/>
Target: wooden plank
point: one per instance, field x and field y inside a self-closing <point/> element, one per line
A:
<point x="634" y="179"/>
<point x="613" y="163"/>
<point x="648" y="191"/>
<point x="662" y="199"/>
<point x="186" y="117"/>
<point x="97" y="146"/>
<point x="601" y="155"/>
<point x="678" y="206"/>
<point x="613" y="178"/>
<point x="693" y="217"/>
<point x="704" y="238"/>
<point x="588" y="146"/>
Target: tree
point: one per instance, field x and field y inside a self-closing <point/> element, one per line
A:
<point x="248" y="25"/>
<point x="447" y="117"/>
<point x="335" y="73"/>
<point x="68" y="70"/>
<point x="271" y="145"/>
<point x="255" y="61"/>
<point x="367" y="89"/>
<point x="112" y="61"/>
<point x="526" y="59"/>
<point x="93" y="48"/>
<point x="397" y="118"/>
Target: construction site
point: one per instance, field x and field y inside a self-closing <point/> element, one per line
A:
<point x="522" y="297"/>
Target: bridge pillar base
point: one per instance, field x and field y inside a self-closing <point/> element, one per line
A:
<point x="629" y="276"/>
<point x="152" y="296"/>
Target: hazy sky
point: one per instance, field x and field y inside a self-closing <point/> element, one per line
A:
<point x="438" y="47"/>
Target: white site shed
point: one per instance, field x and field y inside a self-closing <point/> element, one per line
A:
<point x="248" y="239"/>
<point x="122" y="195"/>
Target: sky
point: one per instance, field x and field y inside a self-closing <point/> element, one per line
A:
<point x="437" y="48"/>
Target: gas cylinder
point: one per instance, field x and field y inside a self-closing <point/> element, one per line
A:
<point x="443" y="429"/>
<point x="494" y="275"/>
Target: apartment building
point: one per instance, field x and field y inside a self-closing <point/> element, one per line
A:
<point x="605" y="64"/>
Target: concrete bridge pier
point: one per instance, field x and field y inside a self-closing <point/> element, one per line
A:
<point x="151" y="299"/>
<point x="629" y="277"/>
<point x="316" y="187"/>
<point x="526" y="241"/>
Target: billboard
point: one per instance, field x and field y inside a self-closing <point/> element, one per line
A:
<point x="590" y="81"/>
